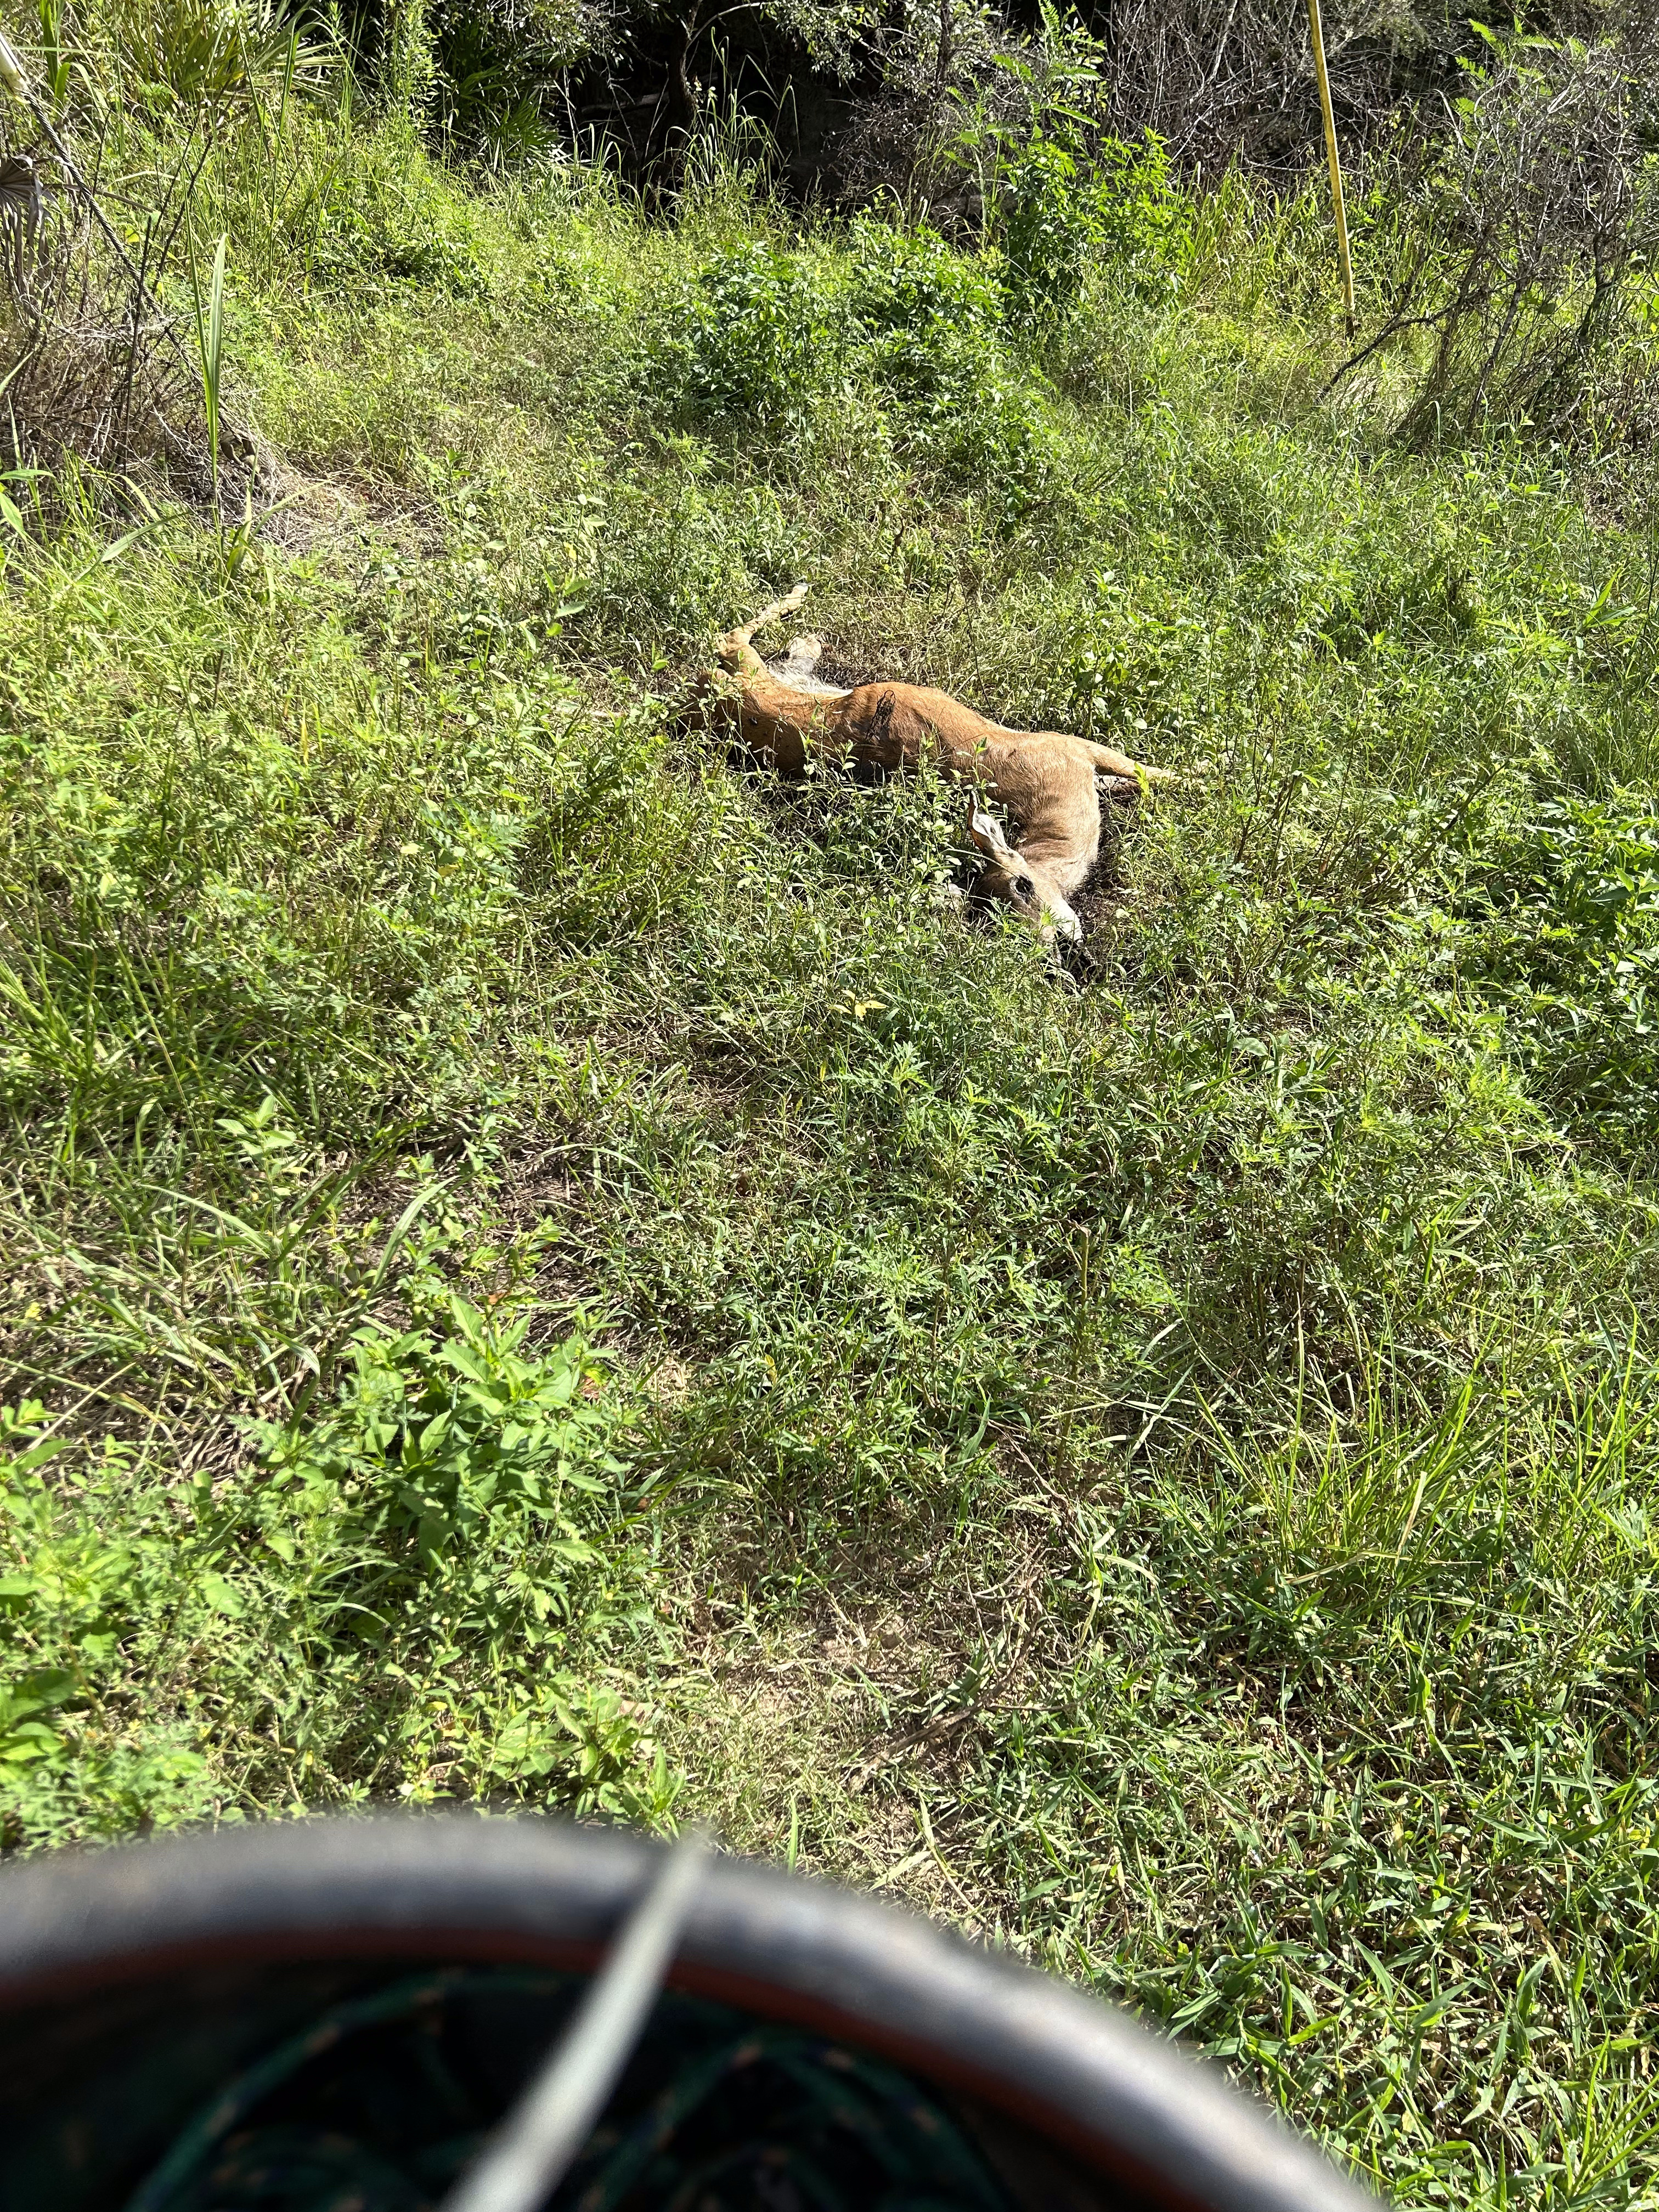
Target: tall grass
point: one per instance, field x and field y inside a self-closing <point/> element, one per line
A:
<point x="544" y="1266"/>
<point x="210" y="312"/>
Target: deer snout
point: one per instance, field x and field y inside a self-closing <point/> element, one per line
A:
<point x="1058" y="926"/>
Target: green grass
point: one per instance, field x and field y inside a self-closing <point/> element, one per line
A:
<point x="543" y="1265"/>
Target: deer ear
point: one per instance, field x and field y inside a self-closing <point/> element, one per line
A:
<point x="986" y="831"/>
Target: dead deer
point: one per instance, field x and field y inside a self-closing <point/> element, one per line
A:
<point x="1045" y="779"/>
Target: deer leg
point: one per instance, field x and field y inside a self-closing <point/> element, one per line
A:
<point x="734" y="649"/>
<point x="1110" y="762"/>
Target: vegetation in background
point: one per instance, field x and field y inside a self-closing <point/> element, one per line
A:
<point x="1524" y="222"/>
<point x="543" y="1265"/>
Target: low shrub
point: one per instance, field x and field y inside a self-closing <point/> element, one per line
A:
<point x="411" y="1588"/>
<point x="1116" y="210"/>
<point x="388" y="215"/>
<point x="926" y="326"/>
<point x="758" y="345"/>
<point x="1142" y="222"/>
<point x="1563" y="933"/>
<point x="747" y="341"/>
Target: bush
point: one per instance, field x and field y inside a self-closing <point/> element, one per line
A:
<point x="1048" y="228"/>
<point x="1564" y="934"/>
<point x="1533" y="229"/>
<point x="922" y="312"/>
<point x="389" y="214"/>
<point x="747" y="341"/>
<point x="1143" y="223"/>
<point x="926" y="325"/>
<point x="1119" y="211"/>
<point x="755" y="342"/>
<point x="190" y="54"/>
<point x="408" y="1590"/>
<point x="501" y="65"/>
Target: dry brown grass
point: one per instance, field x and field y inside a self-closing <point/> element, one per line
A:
<point x="90" y="375"/>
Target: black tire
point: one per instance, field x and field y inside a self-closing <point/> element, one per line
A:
<point x="1075" y="2103"/>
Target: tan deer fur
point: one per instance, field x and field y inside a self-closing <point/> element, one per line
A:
<point x="1044" y="778"/>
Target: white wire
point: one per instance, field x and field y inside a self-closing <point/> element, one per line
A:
<point x="554" y="2117"/>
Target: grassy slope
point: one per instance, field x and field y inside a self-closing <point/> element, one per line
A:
<point x="1157" y="1467"/>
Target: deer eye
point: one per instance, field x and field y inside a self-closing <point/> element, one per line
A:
<point x="1024" y="887"/>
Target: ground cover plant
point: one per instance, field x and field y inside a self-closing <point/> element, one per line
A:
<point x="543" y="1267"/>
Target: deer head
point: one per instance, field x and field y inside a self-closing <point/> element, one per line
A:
<point x="1024" y="884"/>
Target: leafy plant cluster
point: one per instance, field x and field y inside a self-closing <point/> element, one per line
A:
<point x="189" y="56"/>
<point x="381" y="218"/>
<point x="412" y="1594"/>
<point x="752" y="344"/>
<point x="1563" y="932"/>
<point x="766" y="341"/>
<point x="1060" y="216"/>
<point x="928" y="328"/>
<point x="761" y="345"/>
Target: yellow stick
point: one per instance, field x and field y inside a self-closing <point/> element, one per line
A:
<point x="1318" y="30"/>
